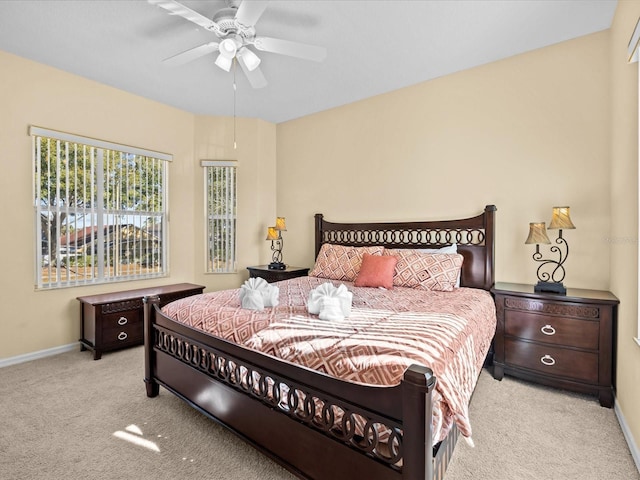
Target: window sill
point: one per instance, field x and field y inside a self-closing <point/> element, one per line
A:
<point x="637" y="340"/>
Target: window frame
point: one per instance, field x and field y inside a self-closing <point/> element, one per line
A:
<point x="98" y="151"/>
<point x="229" y="220"/>
<point x="633" y="51"/>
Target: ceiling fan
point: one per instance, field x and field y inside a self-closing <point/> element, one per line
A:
<point x="235" y="27"/>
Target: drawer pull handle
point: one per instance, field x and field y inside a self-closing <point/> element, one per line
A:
<point x="548" y="360"/>
<point x="122" y="336"/>
<point x="548" y="330"/>
<point x="122" y="321"/>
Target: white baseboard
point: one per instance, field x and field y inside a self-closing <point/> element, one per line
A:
<point x="27" y="357"/>
<point x="633" y="447"/>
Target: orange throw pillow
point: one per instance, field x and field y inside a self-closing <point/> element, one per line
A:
<point x="376" y="271"/>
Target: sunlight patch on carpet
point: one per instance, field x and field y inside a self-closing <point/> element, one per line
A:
<point x="133" y="434"/>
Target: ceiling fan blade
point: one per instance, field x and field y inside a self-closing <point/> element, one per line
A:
<point x="293" y="49"/>
<point x="250" y="11"/>
<point x="255" y="76"/>
<point x="176" y="8"/>
<point x="191" y="54"/>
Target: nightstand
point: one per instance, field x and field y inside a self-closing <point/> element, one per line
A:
<point x="271" y="276"/>
<point x="564" y="341"/>
<point x="111" y="321"/>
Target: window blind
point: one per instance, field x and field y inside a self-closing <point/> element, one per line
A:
<point x="220" y="210"/>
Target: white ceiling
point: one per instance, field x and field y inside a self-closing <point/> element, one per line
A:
<point x="373" y="46"/>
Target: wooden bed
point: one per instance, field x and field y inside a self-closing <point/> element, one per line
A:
<point x="195" y="366"/>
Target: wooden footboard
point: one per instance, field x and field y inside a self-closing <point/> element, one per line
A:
<point x="315" y="420"/>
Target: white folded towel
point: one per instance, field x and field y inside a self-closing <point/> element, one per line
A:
<point x="251" y="299"/>
<point x="330" y="302"/>
<point x="256" y="294"/>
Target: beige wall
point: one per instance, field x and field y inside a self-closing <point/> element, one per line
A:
<point x="34" y="94"/>
<point x="526" y="134"/>
<point x="256" y="176"/>
<point x="624" y="210"/>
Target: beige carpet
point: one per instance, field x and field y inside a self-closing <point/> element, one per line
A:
<point x="69" y="417"/>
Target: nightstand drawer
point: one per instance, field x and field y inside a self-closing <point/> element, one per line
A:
<point x="131" y="334"/>
<point x="122" y="319"/>
<point x="563" y="331"/>
<point x="562" y="362"/>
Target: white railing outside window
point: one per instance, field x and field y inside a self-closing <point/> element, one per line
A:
<point x="220" y="210"/>
<point x="100" y="210"/>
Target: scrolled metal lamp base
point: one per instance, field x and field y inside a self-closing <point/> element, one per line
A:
<point x="276" y="257"/>
<point x="552" y="282"/>
<point x="550" y="287"/>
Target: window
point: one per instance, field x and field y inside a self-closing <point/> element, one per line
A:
<point x="634" y="52"/>
<point x="100" y="210"/>
<point x="220" y="210"/>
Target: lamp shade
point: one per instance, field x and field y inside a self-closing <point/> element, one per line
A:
<point x="249" y="58"/>
<point x="272" y="233"/>
<point x="561" y="218"/>
<point x="537" y="234"/>
<point x="280" y="224"/>
<point x="224" y="62"/>
<point x="228" y="48"/>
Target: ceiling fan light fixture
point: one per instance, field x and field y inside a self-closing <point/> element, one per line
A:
<point x="228" y="48"/>
<point x="223" y="62"/>
<point x="251" y="60"/>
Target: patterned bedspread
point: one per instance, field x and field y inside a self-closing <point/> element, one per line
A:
<point x="387" y="331"/>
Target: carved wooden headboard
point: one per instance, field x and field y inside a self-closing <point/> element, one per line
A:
<point x="474" y="236"/>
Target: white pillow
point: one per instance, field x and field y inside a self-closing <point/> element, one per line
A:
<point x="448" y="249"/>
